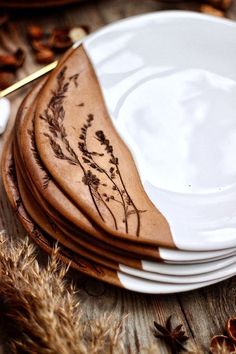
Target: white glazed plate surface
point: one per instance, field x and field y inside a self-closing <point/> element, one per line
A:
<point x="186" y="269"/>
<point x="227" y="271"/>
<point x="169" y="82"/>
<point x="153" y="287"/>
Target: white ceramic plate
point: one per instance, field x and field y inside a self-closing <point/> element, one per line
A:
<point x="169" y="82"/>
<point x="189" y="257"/>
<point x="186" y="269"/>
<point x="152" y="287"/>
<point x="227" y="271"/>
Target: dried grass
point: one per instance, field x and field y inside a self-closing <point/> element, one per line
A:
<point x="40" y="310"/>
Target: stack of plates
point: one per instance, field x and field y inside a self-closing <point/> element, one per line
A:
<point x="125" y="154"/>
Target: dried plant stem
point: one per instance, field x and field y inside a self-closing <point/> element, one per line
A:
<point x="54" y="115"/>
<point x="40" y="310"/>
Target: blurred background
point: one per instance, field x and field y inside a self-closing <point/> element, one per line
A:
<point x="35" y="33"/>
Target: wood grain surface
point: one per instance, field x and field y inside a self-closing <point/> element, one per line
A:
<point x="203" y="312"/>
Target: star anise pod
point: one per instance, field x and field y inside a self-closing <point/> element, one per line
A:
<point x="174" y="337"/>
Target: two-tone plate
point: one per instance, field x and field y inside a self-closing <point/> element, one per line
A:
<point x="169" y="84"/>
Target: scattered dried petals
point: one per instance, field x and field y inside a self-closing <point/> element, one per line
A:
<point x="6" y="79"/>
<point x="20" y="57"/>
<point x="7" y="61"/>
<point x="222" y="344"/>
<point x="60" y="39"/>
<point x="39" y="45"/>
<point x="231" y="328"/>
<point x="77" y="33"/>
<point x="35" y="32"/>
<point x="12" y="61"/>
<point x="44" y="56"/>
<point x="210" y="10"/>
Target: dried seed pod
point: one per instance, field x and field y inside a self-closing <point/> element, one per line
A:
<point x="7" y="61"/>
<point x="6" y="79"/>
<point x="231" y="328"/>
<point x="35" y="32"/>
<point x="44" y="56"/>
<point x="12" y="61"/>
<point x="222" y="345"/>
<point x="39" y="45"/>
<point x="210" y="10"/>
<point x="222" y="4"/>
<point x="77" y="33"/>
<point x="60" y="39"/>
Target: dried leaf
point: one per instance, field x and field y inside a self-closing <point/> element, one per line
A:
<point x="210" y="10"/>
<point x="6" y="79"/>
<point x="60" y="39"/>
<point x="44" y="56"/>
<point x="35" y="32"/>
<point x="20" y="57"/>
<point x="12" y="61"/>
<point x="40" y="45"/>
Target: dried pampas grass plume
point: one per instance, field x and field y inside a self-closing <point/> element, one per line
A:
<point x="40" y="310"/>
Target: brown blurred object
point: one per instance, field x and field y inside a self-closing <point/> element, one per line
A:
<point x="60" y="39"/>
<point x="12" y="61"/>
<point x="222" y="4"/>
<point x="46" y="44"/>
<point x="35" y="32"/>
<point x="35" y="4"/>
<point x="210" y="10"/>
<point x="44" y="56"/>
<point x="6" y="79"/>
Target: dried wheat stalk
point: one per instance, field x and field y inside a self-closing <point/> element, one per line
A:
<point x="40" y="311"/>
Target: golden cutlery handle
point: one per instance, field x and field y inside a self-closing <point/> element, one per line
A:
<point x="28" y="79"/>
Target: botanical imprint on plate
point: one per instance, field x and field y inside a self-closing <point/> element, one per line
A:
<point x="95" y="176"/>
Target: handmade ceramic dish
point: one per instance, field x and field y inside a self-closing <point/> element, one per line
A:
<point x="169" y="84"/>
<point x="92" y="245"/>
<point x="77" y="262"/>
<point x="25" y="136"/>
<point x="193" y="211"/>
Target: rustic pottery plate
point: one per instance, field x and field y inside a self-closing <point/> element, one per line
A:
<point x="169" y="83"/>
<point x="193" y="219"/>
<point x="83" y="265"/>
<point x="52" y="229"/>
<point x="24" y="135"/>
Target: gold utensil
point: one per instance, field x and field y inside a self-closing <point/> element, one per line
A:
<point x="77" y="40"/>
<point x="28" y="79"/>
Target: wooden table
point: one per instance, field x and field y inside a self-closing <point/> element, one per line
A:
<point x="203" y="312"/>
